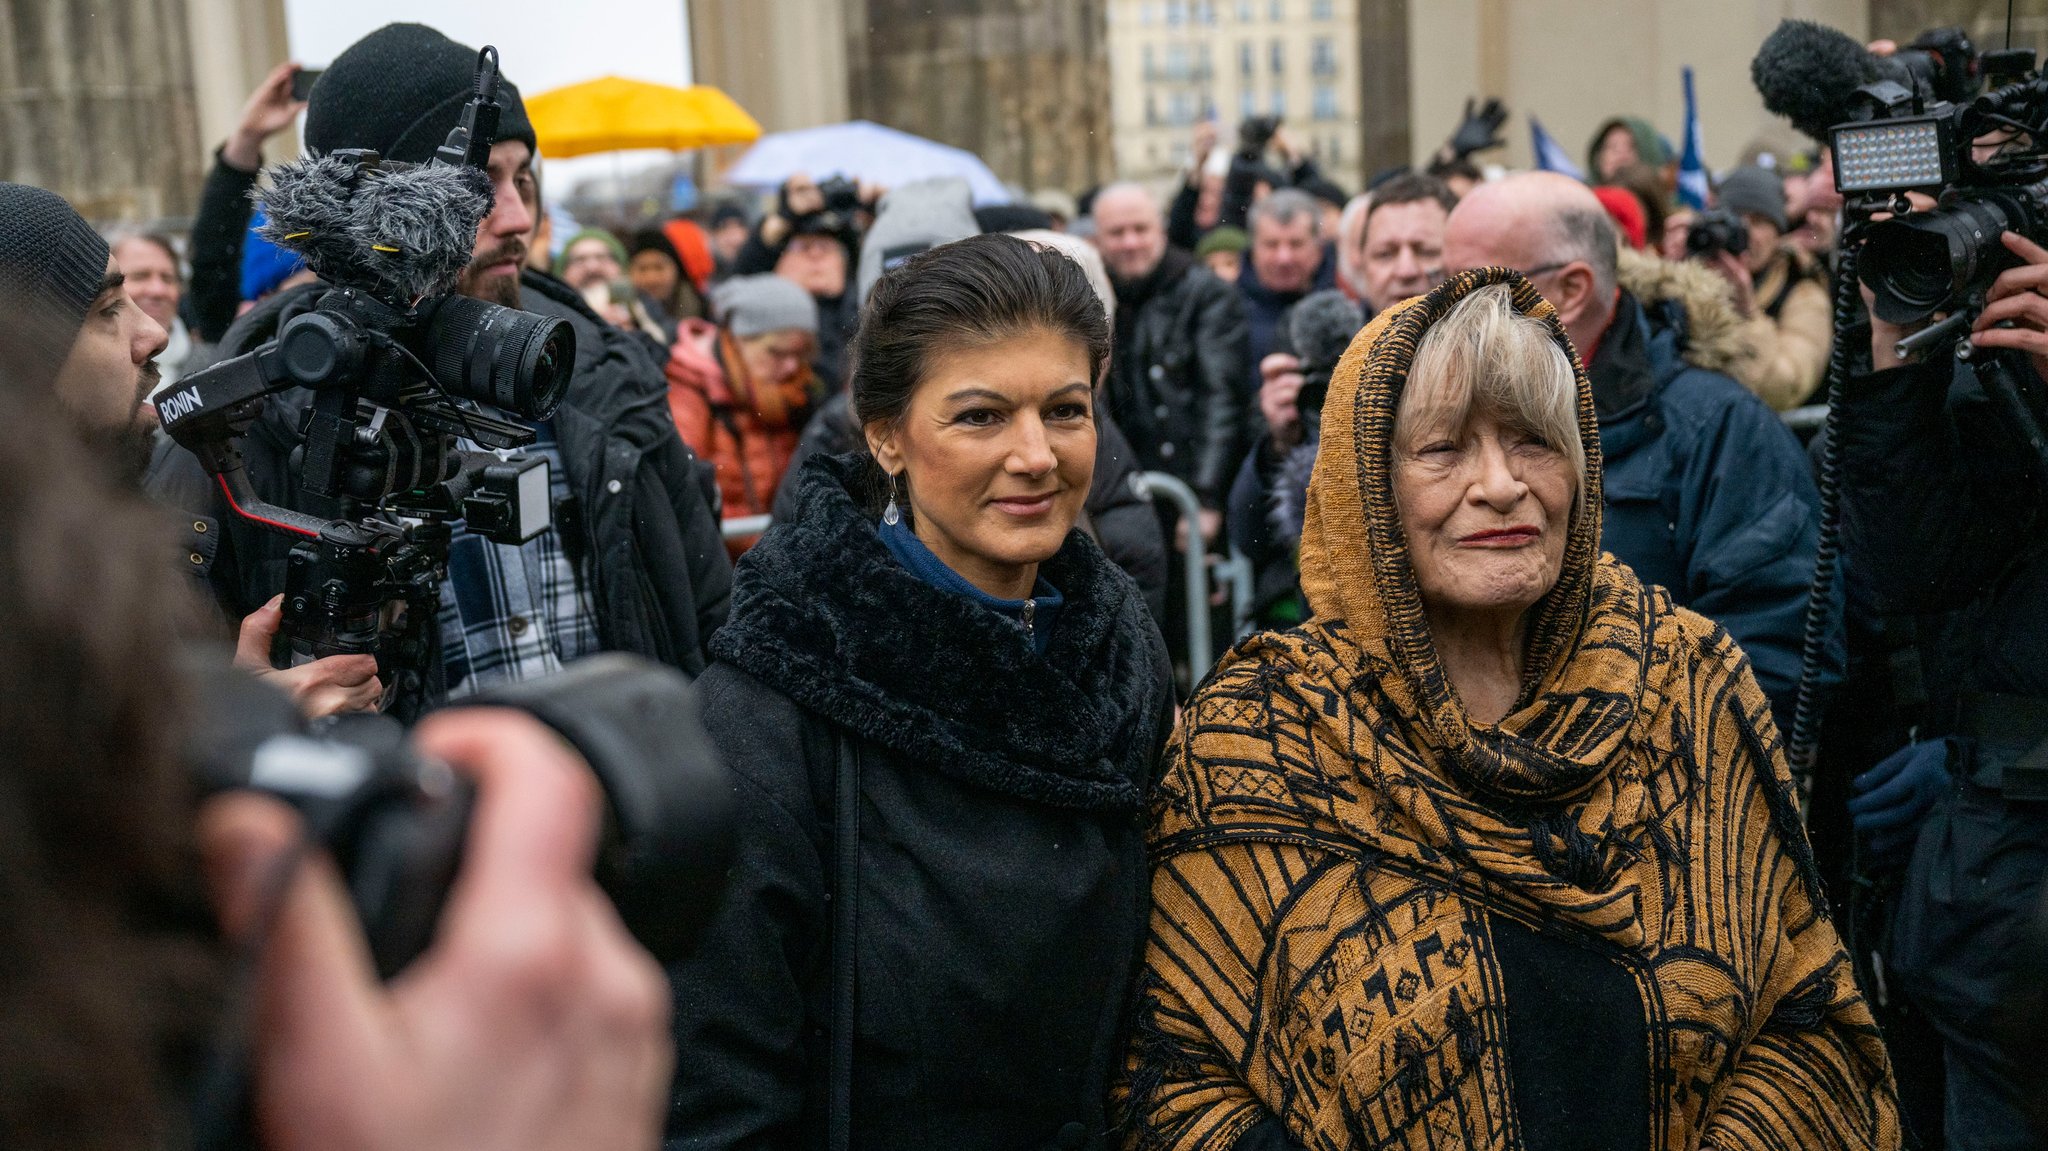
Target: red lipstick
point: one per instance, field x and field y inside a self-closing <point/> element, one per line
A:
<point x="1503" y="537"/>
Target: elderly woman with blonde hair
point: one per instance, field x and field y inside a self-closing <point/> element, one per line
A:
<point x="1498" y="849"/>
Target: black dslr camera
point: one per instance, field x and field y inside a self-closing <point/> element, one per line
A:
<point x="396" y="823"/>
<point x="1717" y="230"/>
<point x="398" y="369"/>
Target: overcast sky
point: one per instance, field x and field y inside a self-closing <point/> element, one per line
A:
<point x="541" y="44"/>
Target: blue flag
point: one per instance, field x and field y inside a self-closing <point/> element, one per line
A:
<point x="1550" y="155"/>
<point x="1692" y="167"/>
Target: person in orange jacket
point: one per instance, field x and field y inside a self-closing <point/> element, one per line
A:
<point x="741" y="389"/>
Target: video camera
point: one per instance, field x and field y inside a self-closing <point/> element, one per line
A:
<point x="398" y="367"/>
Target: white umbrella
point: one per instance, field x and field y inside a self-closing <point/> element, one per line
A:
<point x="862" y="150"/>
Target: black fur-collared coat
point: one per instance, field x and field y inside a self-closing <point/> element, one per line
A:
<point x="1002" y="898"/>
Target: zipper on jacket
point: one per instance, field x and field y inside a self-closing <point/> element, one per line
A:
<point x="1030" y="610"/>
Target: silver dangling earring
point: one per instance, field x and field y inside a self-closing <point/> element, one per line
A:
<point x="890" y="514"/>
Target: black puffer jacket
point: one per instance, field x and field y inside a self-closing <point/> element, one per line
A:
<point x="647" y="527"/>
<point x="1002" y="900"/>
<point x="1176" y="382"/>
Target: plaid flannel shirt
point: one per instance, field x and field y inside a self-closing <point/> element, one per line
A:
<point x="513" y="612"/>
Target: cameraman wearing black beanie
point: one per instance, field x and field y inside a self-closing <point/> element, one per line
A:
<point x="635" y="561"/>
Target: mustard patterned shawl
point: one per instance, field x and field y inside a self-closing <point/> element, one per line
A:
<point x="1333" y="836"/>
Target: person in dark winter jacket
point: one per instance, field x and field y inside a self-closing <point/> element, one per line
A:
<point x="1175" y="385"/>
<point x="1706" y="492"/>
<point x="1288" y="261"/>
<point x="634" y="563"/>
<point x="943" y="708"/>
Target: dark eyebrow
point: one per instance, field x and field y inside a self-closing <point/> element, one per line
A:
<point x="998" y="397"/>
<point x="109" y="284"/>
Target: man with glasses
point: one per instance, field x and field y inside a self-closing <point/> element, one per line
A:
<point x="1705" y="490"/>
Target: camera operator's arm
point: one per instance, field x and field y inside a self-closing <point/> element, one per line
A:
<point x="534" y="1021"/>
<point x="1917" y="515"/>
<point x="223" y="218"/>
<point x="324" y="687"/>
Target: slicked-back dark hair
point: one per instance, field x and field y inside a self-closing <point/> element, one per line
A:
<point x="1411" y="188"/>
<point x="966" y="294"/>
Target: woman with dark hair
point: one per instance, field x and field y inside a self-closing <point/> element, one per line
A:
<point x="942" y="706"/>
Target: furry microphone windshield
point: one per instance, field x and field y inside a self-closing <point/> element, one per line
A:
<point x="400" y="233"/>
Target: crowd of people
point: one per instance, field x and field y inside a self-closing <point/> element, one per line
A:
<point x="1481" y="834"/>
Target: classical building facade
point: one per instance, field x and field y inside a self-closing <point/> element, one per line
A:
<point x="115" y="104"/>
<point x="1174" y="63"/>
<point x="1021" y="83"/>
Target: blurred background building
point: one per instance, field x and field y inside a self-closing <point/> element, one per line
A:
<point x="118" y="103"/>
<point x="1173" y="63"/>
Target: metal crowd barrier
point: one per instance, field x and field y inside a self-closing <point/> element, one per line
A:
<point x="740" y="526"/>
<point x="1806" y="421"/>
<point x="1201" y="648"/>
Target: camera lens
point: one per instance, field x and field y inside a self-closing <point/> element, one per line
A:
<point x="1920" y="264"/>
<point x="500" y="356"/>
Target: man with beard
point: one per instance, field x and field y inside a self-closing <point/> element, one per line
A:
<point x="73" y="327"/>
<point x="635" y="562"/>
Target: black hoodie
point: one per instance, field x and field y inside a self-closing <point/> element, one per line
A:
<point x="1002" y="894"/>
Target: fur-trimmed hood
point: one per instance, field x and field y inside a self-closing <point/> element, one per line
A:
<point x="822" y="613"/>
<point x="1694" y="297"/>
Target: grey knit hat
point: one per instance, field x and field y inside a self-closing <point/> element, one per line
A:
<point x="750" y="305"/>
<point x="52" y="264"/>
<point x="910" y="219"/>
<point x="1754" y="192"/>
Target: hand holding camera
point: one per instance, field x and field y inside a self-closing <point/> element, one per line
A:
<point x="1280" y="382"/>
<point x="533" y="1021"/>
<point x="271" y="109"/>
<point x="324" y="687"/>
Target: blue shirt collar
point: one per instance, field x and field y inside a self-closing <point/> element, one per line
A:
<point x="911" y="552"/>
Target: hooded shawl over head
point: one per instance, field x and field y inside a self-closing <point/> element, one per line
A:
<point x="1336" y="842"/>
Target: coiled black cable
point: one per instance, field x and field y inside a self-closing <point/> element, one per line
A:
<point x="1804" y="748"/>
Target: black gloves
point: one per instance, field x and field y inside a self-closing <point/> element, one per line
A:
<point x="1480" y="131"/>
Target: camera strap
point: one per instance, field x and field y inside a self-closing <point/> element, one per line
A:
<point x="845" y="926"/>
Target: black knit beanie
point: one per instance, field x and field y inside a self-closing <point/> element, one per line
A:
<point x="52" y="264"/>
<point x="398" y="91"/>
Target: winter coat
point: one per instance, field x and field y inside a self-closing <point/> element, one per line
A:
<point x="643" y="523"/>
<point x="1002" y="871"/>
<point x="1790" y="335"/>
<point x="1263" y="309"/>
<point x="1382" y="922"/>
<point x="1119" y="516"/>
<point x="1176" y="381"/>
<point x="1707" y="491"/>
<point x="747" y="431"/>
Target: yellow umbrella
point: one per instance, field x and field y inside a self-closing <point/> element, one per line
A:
<point x="614" y="114"/>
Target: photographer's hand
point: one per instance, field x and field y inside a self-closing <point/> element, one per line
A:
<point x="2017" y="296"/>
<point x="799" y="198"/>
<point x="327" y="686"/>
<point x="1740" y="280"/>
<point x="270" y="110"/>
<point x="533" y="1022"/>
<point x="1280" y="382"/>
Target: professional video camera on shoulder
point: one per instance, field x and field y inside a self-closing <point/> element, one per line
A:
<point x="398" y="367"/>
